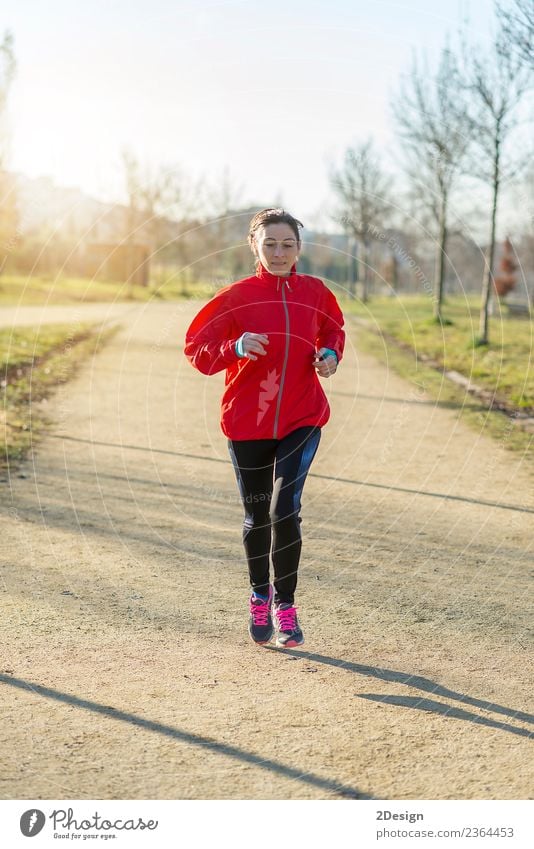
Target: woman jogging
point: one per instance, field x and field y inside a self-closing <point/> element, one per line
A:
<point x="274" y="333"/>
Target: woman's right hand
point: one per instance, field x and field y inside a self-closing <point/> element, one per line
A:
<point x="252" y="343"/>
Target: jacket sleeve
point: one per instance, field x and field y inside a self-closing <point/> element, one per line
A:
<point x="211" y="337"/>
<point x="331" y="333"/>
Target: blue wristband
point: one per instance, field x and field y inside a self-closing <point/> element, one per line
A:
<point x="327" y="352"/>
<point x="239" y="347"/>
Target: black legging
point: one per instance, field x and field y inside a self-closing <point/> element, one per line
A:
<point x="272" y="505"/>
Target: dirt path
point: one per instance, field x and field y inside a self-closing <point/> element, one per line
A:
<point x="127" y="671"/>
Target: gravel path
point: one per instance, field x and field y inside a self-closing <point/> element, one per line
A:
<point x="127" y="671"/>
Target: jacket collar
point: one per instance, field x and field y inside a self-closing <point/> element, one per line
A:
<point x="274" y="279"/>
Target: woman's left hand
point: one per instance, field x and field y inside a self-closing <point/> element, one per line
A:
<point x="325" y="367"/>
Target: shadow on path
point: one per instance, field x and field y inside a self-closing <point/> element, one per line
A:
<point x="516" y="507"/>
<point x="420" y="683"/>
<point x="431" y="706"/>
<point x="447" y="405"/>
<point x="186" y="737"/>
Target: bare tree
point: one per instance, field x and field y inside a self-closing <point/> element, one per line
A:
<point x="159" y="200"/>
<point x="496" y="82"/>
<point x="224" y="195"/>
<point x="435" y="131"/>
<point x="363" y="190"/>
<point x="8" y="195"/>
<point x="517" y="25"/>
<point x="224" y="198"/>
<point x="153" y="194"/>
<point x="7" y="73"/>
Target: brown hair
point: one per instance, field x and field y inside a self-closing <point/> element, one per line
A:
<point x="273" y="216"/>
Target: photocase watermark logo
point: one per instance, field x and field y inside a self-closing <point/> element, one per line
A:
<point x="31" y="822"/>
<point x="66" y="820"/>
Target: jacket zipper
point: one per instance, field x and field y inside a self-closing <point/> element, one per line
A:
<point x="282" y="378"/>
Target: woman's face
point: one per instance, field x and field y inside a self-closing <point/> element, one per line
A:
<point x="276" y="247"/>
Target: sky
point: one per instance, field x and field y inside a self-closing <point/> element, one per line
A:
<point x="273" y="91"/>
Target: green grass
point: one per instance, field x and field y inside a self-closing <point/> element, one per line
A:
<point x="505" y="366"/>
<point x="17" y="290"/>
<point x="401" y="333"/>
<point x="33" y="361"/>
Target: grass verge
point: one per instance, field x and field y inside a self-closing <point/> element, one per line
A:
<point x="33" y="290"/>
<point x="33" y="361"/>
<point x="448" y="395"/>
<point x="504" y="367"/>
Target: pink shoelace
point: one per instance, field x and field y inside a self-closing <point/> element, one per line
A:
<point x="260" y="611"/>
<point x="287" y="617"/>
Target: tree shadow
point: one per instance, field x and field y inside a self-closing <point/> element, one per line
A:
<point x="443" y="495"/>
<point x="447" y="405"/>
<point x="432" y="706"/>
<point x="425" y="684"/>
<point x="205" y="743"/>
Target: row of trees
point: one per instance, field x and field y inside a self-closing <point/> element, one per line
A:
<point x="454" y="124"/>
<point x="8" y="205"/>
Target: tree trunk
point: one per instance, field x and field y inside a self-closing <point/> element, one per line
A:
<point x="487" y="282"/>
<point x="440" y="259"/>
<point x="352" y="267"/>
<point x="366" y="258"/>
<point x="394" y="272"/>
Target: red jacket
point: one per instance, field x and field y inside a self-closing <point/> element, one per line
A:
<point x="269" y="397"/>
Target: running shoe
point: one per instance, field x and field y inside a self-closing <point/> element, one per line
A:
<point x="288" y="630"/>
<point x="260" y="625"/>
